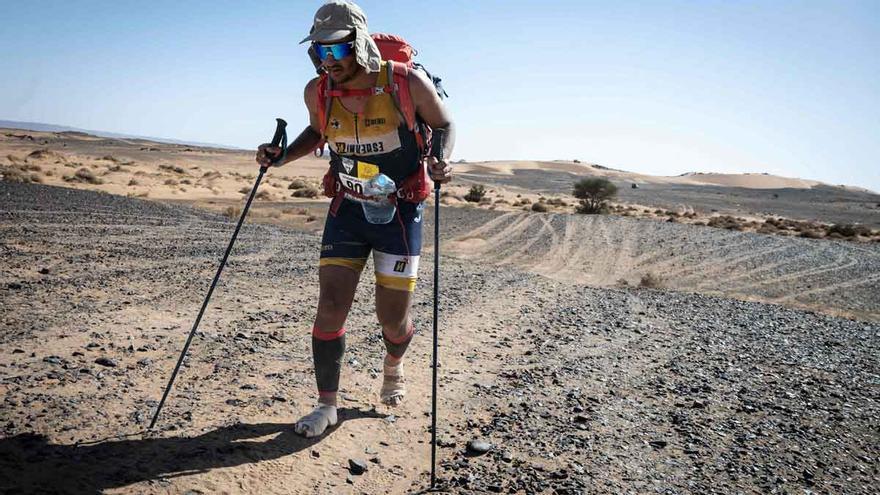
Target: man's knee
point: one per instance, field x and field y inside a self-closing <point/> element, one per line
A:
<point x="394" y="323"/>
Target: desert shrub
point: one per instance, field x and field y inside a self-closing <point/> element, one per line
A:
<point x="134" y="182"/>
<point x="170" y="182"/>
<point x="10" y="174"/>
<point x="84" y="175"/>
<point x="263" y="195"/>
<point x="651" y="281"/>
<point x="811" y="234"/>
<point x="594" y="194"/>
<point x="212" y="174"/>
<point x="186" y="181"/>
<point x="476" y="194"/>
<point x="298" y="184"/>
<point x="848" y="230"/>
<point x="232" y="212"/>
<point x="725" y="222"/>
<point x="308" y="192"/>
<point x="244" y="190"/>
<point x="172" y="168"/>
<point x="502" y="201"/>
<point x="540" y="207"/>
<point x="557" y="202"/>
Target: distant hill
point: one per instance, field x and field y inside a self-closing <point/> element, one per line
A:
<point x="37" y="126"/>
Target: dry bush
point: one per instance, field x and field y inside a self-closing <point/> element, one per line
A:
<point x="232" y="212"/>
<point x="133" y="182"/>
<point x="650" y="281"/>
<point x="84" y="175"/>
<point x="557" y="202"/>
<point x="265" y="195"/>
<point x="308" y="192"/>
<point x="170" y="182"/>
<point x="502" y="201"/>
<point x="245" y="190"/>
<point x="726" y="222"/>
<point x="811" y="234"/>
<point x="848" y="230"/>
<point x="172" y="168"/>
<point x="213" y="174"/>
<point x="476" y="194"/>
<point x="540" y="207"/>
<point x="12" y="174"/>
<point x="310" y="218"/>
<point x="298" y="184"/>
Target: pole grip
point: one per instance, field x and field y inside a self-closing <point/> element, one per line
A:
<point x="280" y="127"/>
<point x="280" y="138"/>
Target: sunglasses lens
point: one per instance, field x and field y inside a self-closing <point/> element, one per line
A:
<point x="339" y="50"/>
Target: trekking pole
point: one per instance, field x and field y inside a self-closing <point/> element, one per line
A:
<point x="438" y="141"/>
<point x="279" y="138"/>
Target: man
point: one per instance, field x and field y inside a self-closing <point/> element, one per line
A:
<point x="367" y="136"/>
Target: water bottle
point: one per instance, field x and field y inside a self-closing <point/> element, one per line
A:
<point x="379" y="209"/>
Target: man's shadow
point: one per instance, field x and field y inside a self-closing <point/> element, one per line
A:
<point x="29" y="464"/>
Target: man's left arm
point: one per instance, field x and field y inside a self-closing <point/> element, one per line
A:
<point x="431" y="110"/>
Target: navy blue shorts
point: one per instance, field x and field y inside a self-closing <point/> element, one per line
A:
<point x="396" y="246"/>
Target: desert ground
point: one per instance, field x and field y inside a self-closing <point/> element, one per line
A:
<point x="620" y="353"/>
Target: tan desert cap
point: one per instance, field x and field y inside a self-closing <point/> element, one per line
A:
<point x="337" y="19"/>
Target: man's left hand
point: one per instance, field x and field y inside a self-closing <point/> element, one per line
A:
<point x="439" y="170"/>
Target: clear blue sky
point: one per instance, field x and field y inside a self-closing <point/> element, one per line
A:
<point x="661" y="87"/>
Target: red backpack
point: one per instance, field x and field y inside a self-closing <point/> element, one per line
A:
<point x="399" y="55"/>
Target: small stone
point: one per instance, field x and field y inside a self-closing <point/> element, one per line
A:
<point x="357" y="466"/>
<point x="478" y="446"/>
<point x="52" y="360"/>
<point x="18" y="351"/>
<point x="14" y="285"/>
<point x="105" y="361"/>
<point x="658" y="444"/>
<point x="44" y="271"/>
<point x="145" y="362"/>
<point x="315" y="454"/>
<point x="507" y="456"/>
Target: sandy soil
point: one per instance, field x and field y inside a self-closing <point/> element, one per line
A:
<point x="578" y="389"/>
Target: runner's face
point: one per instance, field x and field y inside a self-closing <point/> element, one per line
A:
<point x="344" y="69"/>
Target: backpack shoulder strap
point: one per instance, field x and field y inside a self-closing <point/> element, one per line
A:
<point x="324" y="100"/>
<point x="399" y="74"/>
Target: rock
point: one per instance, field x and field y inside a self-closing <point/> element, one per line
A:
<point x="357" y="466"/>
<point x="145" y="362"/>
<point x="658" y="444"/>
<point x="478" y="446"/>
<point x="53" y="360"/>
<point x="315" y="454"/>
<point x="105" y="361"/>
<point x="13" y="285"/>
<point x="18" y="351"/>
<point x="507" y="456"/>
<point x="44" y="271"/>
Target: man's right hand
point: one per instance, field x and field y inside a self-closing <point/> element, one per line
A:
<point x="266" y="152"/>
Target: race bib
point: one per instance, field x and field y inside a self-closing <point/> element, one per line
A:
<point x="365" y="171"/>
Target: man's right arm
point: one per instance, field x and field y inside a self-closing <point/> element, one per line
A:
<point x="308" y="139"/>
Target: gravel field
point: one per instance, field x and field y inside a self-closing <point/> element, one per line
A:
<point x="576" y="388"/>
